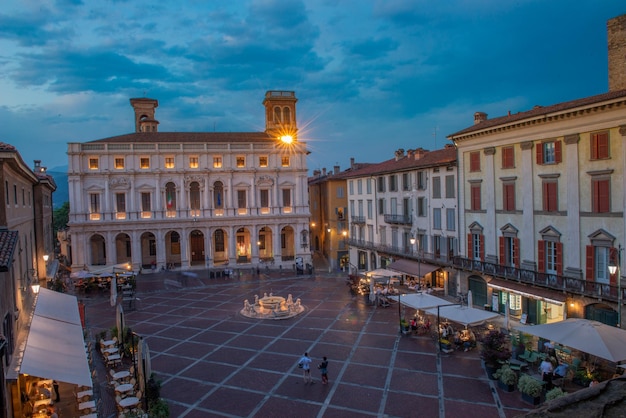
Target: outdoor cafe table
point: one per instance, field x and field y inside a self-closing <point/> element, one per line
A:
<point x="126" y="387"/>
<point x="121" y="375"/>
<point x="128" y="402"/>
<point x="108" y="343"/>
<point x="93" y="415"/>
<point x="111" y="350"/>
<point x="84" y="393"/>
<point x="40" y="402"/>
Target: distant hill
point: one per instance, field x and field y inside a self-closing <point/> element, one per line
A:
<point x="62" y="194"/>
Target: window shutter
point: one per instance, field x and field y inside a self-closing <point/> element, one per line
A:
<point x="594" y="146"/>
<point x="539" y="154"/>
<point x="559" y="258"/>
<point x="590" y="263"/>
<point x="613" y="259"/>
<point x="516" y="252"/>
<point x="541" y="256"/>
<point x="470" y="247"/>
<point x="502" y="259"/>
<point x="482" y="247"/>
<point x="603" y="145"/>
<point x="557" y="152"/>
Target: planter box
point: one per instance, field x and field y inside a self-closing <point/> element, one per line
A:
<point x="490" y="371"/>
<point x="505" y="387"/>
<point x="531" y="399"/>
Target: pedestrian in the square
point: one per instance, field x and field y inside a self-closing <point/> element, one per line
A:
<point x="323" y="366"/>
<point x="305" y="365"/>
<point x="55" y="385"/>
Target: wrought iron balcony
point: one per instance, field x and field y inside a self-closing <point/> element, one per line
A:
<point x="545" y="280"/>
<point x="358" y="219"/>
<point x="398" y="219"/>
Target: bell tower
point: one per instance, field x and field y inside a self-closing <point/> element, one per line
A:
<point x="280" y="113"/>
<point x="144" y="114"/>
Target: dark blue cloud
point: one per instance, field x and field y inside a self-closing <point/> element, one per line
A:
<point x="31" y="29"/>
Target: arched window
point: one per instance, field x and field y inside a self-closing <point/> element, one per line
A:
<point x="219" y="240"/>
<point x="286" y="115"/>
<point x="277" y="115"/>
<point x="170" y="200"/>
<point x="194" y="198"/>
<point x="218" y="195"/>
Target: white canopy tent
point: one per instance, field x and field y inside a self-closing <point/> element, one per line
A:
<point x="382" y="274"/>
<point x="420" y="301"/>
<point x="591" y="337"/>
<point x="463" y="315"/>
<point x="55" y="348"/>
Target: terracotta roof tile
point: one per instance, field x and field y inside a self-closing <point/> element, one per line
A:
<point x="541" y="110"/>
<point x="6" y="147"/>
<point x="187" y="137"/>
<point x="8" y="242"/>
<point x="435" y="158"/>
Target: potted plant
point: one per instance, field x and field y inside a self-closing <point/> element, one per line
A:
<point x="530" y="388"/>
<point x="404" y="325"/>
<point x="494" y="351"/>
<point x="555" y="393"/>
<point x="507" y="378"/>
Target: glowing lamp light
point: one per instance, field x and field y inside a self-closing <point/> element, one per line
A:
<point x="35" y="286"/>
<point x="45" y="257"/>
<point x="412" y="240"/>
<point x="287" y="139"/>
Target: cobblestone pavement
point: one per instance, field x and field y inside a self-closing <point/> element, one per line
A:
<point x="214" y="362"/>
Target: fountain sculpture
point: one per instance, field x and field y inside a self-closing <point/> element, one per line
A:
<point x="272" y="307"/>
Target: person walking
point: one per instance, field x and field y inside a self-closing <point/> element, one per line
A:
<point x="305" y="364"/>
<point x="323" y="366"/>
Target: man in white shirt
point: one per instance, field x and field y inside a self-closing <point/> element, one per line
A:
<point x="305" y="364"/>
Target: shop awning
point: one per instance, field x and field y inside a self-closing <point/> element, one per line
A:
<point x="412" y="268"/>
<point x="549" y="295"/>
<point x="55" y="347"/>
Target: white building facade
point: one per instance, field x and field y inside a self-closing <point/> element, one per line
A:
<point x="406" y="208"/>
<point x="174" y="199"/>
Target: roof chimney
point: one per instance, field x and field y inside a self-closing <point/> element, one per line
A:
<point x="479" y="117"/>
<point x="399" y="153"/>
<point x="323" y="171"/>
<point x="419" y="153"/>
<point x="336" y="169"/>
<point x="616" y="31"/>
<point x="352" y="162"/>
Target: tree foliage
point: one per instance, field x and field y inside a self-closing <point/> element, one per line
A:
<point x="60" y="217"/>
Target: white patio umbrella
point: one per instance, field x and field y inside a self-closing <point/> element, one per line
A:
<point x="470" y="299"/>
<point x="144" y="366"/>
<point x="420" y="301"/>
<point x="113" y="291"/>
<point x="463" y="315"/>
<point x="588" y="336"/>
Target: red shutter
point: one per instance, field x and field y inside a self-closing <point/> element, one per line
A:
<point x="544" y="197"/>
<point x="603" y="196"/>
<point x="590" y="263"/>
<point x="470" y="247"/>
<point x="559" y="258"/>
<point x="482" y="247"/>
<point x="594" y="146"/>
<point x="541" y="256"/>
<point x="539" y="154"/>
<point x="502" y="259"/>
<point x="558" y="157"/>
<point x="603" y="145"/>
<point x="516" y="252"/>
<point x="613" y="260"/>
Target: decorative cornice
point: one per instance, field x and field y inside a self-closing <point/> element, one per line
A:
<point x="622" y="130"/>
<point x="571" y="139"/>
<point x="490" y="151"/>
<point x="526" y="145"/>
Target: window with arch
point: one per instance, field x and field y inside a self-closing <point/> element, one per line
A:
<point x="218" y="195"/>
<point x="194" y="198"/>
<point x="286" y="115"/>
<point x="175" y="243"/>
<point x="219" y="240"/>
<point x="277" y="115"/>
<point x="304" y="238"/>
<point x="170" y="200"/>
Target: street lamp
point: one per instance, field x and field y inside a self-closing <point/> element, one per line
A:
<point x="616" y="268"/>
<point x="413" y="242"/>
<point x="330" y="250"/>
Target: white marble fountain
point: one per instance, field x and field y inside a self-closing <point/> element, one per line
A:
<point x="272" y="307"/>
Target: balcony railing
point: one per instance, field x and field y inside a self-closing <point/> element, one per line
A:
<point x="408" y="252"/>
<point x="549" y="281"/>
<point x="398" y="219"/>
<point x="358" y="219"/>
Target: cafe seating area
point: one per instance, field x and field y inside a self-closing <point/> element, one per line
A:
<point x="122" y="380"/>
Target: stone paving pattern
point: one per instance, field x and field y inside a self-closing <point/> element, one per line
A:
<point x="214" y="362"/>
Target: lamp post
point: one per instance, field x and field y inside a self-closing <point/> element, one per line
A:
<point x="413" y="242"/>
<point x="617" y="268"/>
<point x="330" y="250"/>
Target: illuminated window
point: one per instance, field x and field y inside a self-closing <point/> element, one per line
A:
<point x="94" y="206"/>
<point x="120" y="206"/>
<point x="94" y="163"/>
<point x="144" y="163"/>
<point x="169" y="162"/>
<point x="241" y="162"/>
<point x="217" y="162"/>
<point x="119" y="163"/>
<point x="193" y="162"/>
<point x="263" y="161"/>
<point x="146" y="208"/>
<point x="284" y="161"/>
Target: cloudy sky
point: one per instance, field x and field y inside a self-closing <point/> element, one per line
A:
<point x="371" y="76"/>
